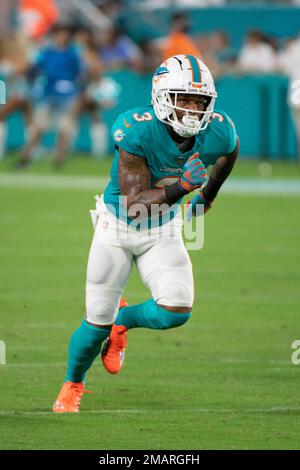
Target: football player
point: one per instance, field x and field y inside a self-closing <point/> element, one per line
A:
<point x="161" y="154"/>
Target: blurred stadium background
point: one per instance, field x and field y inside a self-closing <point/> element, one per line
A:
<point x="226" y="379"/>
<point x="250" y="47"/>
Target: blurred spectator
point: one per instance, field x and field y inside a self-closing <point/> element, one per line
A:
<point x="94" y="96"/>
<point x="110" y="8"/>
<point x="37" y="17"/>
<point x="290" y="65"/>
<point x="82" y="12"/>
<point x="102" y="93"/>
<point x="178" y="41"/>
<point x="256" y="56"/>
<point x="118" y="50"/>
<point x="87" y="49"/>
<point x="13" y="67"/>
<point x="225" y="54"/>
<point x="58" y="68"/>
<point x="218" y="54"/>
<point x="8" y="10"/>
<point x="151" y="53"/>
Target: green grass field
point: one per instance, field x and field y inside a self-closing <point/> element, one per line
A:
<point x="222" y="381"/>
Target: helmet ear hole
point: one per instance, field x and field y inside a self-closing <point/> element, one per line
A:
<point x="163" y="112"/>
<point x="159" y="101"/>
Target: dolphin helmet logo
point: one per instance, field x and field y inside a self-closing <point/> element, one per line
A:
<point x="161" y="70"/>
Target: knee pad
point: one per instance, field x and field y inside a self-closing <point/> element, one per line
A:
<point x="179" y="293"/>
<point x="100" y="310"/>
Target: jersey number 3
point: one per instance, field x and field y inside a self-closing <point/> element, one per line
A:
<point x="142" y="117"/>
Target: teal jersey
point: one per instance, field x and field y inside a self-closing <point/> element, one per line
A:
<point x="139" y="132"/>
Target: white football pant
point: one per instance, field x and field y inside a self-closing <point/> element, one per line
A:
<point x="159" y="254"/>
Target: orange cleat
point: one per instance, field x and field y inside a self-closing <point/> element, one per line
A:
<point x="68" y="400"/>
<point x="122" y="303"/>
<point x="113" y="349"/>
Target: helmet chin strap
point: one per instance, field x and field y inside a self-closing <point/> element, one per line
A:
<point x="192" y="126"/>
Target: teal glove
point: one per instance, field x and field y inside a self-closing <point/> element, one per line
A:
<point x="194" y="174"/>
<point x="193" y="207"/>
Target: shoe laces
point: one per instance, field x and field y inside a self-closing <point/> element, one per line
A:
<point x="121" y="339"/>
<point x="76" y="392"/>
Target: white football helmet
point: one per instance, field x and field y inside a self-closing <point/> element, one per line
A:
<point x="177" y="75"/>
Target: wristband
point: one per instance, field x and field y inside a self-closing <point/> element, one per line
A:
<point x="174" y="192"/>
<point x="211" y="188"/>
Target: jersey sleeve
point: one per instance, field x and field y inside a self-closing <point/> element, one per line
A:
<point x="232" y="135"/>
<point x="223" y="136"/>
<point x="126" y="134"/>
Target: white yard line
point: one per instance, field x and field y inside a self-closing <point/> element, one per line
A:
<point x="53" y="181"/>
<point x="272" y="409"/>
<point x="229" y="360"/>
<point x="255" y="186"/>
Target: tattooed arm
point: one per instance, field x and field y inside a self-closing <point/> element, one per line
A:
<point x="135" y="182"/>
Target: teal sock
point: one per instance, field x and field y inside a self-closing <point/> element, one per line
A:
<point x="150" y="315"/>
<point x="85" y="345"/>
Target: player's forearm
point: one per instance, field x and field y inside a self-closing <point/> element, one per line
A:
<point x="148" y="199"/>
<point x="219" y="174"/>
